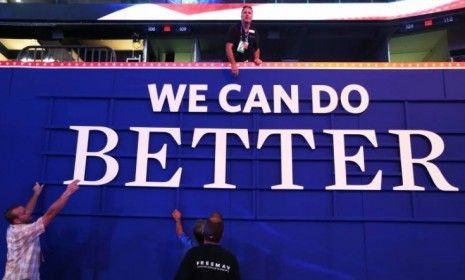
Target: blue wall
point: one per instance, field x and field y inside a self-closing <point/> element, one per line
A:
<point x="119" y="232"/>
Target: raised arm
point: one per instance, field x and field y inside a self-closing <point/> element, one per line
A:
<point x="56" y="207"/>
<point x="177" y="216"/>
<point x="37" y="190"/>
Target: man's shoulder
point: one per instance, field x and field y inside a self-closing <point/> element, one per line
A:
<point x="218" y="249"/>
<point x="39" y="223"/>
<point x="192" y="251"/>
<point x="23" y="227"/>
<point x="228" y="253"/>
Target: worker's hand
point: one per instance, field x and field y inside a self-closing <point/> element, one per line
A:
<point x="37" y="189"/>
<point x="234" y="69"/>
<point x="72" y="187"/>
<point x="177" y="215"/>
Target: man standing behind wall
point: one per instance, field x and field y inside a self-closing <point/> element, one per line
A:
<point x="209" y="261"/>
<point x="23" y="258"/>
<point x="242" y="42"/>
<point x="185" y="240"/>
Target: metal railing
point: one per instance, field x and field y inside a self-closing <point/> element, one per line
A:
<point x="67" y="53"/>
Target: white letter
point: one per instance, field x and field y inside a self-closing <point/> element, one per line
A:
<point x="143" y="156"/>
<point x="223" y="98"/>
<point x="316" y="101"/>
<point x="407" y="161"/>
<point x="166" y="93"/>
<point x="363" y="99"/>
<point x="257" y="92"/>
<point x="194" y="97"/>
<point x="286" y="153"/>
<point x="220" y="152"/>
<point x="82" y="153"/>
<point x="340" y="160"/>
<point x="280" y="96"/>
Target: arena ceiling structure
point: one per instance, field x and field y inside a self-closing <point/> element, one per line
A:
<point x="313" y="31"/>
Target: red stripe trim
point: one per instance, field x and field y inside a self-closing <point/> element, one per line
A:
<point x="380" y="65"/>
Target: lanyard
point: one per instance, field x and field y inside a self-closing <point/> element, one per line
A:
<point x="244" y="34"/>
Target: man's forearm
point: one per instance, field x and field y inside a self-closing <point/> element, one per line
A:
<point x="179" y="228"/>
<point x="55" y="208"/>
<point x="256" y="54"/>
<point x="230" y="54"/>
<point x="32" y="203"/>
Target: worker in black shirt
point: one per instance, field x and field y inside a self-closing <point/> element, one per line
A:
<point x="242" y="42"/>
<point x="209" y="261"/>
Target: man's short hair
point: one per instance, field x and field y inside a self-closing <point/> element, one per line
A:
<point x="9" y="215"/>
<point x="198" y="230"/>
<point x="216" y="217"/>
<point x="213" y="231"/>
<point x="246" y="7"/>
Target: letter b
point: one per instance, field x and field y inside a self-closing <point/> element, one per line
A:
<point x="82" y="153"/>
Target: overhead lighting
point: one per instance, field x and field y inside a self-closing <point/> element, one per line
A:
<point x="117" y="45"/>
<point x="18" y="44"/>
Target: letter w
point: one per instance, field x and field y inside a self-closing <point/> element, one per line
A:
<point x="166" y="94"/>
